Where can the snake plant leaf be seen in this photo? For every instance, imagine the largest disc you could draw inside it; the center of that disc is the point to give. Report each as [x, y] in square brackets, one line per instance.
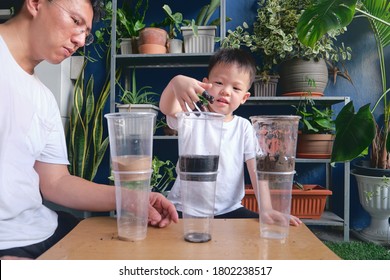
[322, 17]
[354, 132]
[90, 103]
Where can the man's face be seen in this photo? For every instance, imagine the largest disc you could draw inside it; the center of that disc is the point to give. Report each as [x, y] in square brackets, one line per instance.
[61, 27]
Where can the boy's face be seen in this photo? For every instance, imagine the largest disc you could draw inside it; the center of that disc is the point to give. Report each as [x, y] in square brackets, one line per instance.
[230, 88]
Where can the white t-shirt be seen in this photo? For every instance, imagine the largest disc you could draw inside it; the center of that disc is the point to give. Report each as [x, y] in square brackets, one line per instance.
[237, 146]
[30, 130]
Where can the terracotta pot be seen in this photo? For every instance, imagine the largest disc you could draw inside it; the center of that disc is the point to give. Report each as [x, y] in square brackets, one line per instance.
[308, 203]
[152, 49]
[314, 145]
[153, 35]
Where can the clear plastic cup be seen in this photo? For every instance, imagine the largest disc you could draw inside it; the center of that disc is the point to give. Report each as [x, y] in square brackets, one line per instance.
[131, 140]
[274, 191]
[199, 135]
[277, 142]
[132, 203]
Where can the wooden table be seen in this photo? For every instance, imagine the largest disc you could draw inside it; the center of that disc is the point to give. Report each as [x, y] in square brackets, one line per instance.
[96, 239]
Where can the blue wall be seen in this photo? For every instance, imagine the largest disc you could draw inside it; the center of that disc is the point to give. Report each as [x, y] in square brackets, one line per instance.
[364, 70]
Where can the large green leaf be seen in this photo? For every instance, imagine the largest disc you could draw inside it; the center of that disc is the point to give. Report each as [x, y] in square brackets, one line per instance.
[354, 132]
[322, 17]
[380, 9]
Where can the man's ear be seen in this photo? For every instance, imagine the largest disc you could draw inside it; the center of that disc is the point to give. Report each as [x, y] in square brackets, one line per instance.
[245, 97]
[33, 6]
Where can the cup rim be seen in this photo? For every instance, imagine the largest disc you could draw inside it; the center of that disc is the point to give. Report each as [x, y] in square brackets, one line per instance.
[129, 114]
[277, 172]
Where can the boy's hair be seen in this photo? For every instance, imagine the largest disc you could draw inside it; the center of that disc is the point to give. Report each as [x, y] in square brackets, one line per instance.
[234, 56]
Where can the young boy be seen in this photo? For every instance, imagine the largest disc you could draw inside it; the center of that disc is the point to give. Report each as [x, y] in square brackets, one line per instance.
[231, 74]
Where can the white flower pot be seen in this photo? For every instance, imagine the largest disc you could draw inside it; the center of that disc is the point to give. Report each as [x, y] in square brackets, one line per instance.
[374, 196]
[125, 45]
[175, 46]
[202, 43]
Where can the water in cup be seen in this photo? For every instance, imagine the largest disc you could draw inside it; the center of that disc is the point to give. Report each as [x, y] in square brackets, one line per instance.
[132, 203]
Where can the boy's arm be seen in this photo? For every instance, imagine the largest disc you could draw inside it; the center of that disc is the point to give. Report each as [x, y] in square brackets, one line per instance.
[264, 192]
[265, 197]
[181, 90]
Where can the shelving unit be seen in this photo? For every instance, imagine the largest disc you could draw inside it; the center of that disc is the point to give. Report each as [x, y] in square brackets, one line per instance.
[201, 60]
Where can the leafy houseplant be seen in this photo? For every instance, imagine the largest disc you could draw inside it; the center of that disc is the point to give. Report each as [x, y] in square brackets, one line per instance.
[315, 120]
[136, 100]
[86, 145]
[273, 37]
[199, 33]
[316, 131]
[174, 21]
[130, 20]
[137, 96]
[355, 132]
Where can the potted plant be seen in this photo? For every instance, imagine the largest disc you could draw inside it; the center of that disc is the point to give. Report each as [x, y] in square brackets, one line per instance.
[152, 40]
[130, 20]
[174, 21]
[134, 99]
[199, 33]
[316, 130]
[273, 38]
[307, 201]
[357, 133]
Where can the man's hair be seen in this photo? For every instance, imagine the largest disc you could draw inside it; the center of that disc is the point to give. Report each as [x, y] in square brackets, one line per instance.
[234, 56]
[97, 5]
[98, 9]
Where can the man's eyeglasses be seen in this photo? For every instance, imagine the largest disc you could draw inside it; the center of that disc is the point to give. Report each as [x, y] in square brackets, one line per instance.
[88, 37]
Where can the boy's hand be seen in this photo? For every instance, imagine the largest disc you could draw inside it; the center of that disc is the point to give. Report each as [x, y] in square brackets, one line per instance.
[187, 91]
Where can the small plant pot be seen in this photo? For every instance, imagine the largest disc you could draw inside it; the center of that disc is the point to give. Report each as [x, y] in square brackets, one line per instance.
[153, 35]
[175, 46]
[315, 145]
[268, 88]
[126, 46]
[202, 43]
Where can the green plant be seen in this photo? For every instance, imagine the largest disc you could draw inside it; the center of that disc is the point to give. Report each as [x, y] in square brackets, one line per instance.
[204, 16]
[130, 20]
[273, 36]
[84, 133]
[313, 119]
[173, 20]
[162, 175]
[355, 132]
[137, 96]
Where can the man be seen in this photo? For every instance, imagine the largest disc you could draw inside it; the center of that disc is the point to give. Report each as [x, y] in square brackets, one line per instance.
[33, 158]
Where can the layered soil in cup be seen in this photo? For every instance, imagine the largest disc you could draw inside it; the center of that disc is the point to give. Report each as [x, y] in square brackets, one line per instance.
[196, 163]
[277, 163]
[132, 163]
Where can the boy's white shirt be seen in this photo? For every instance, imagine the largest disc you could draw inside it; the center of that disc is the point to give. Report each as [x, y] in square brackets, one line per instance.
[237, 146]
[30, 130]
